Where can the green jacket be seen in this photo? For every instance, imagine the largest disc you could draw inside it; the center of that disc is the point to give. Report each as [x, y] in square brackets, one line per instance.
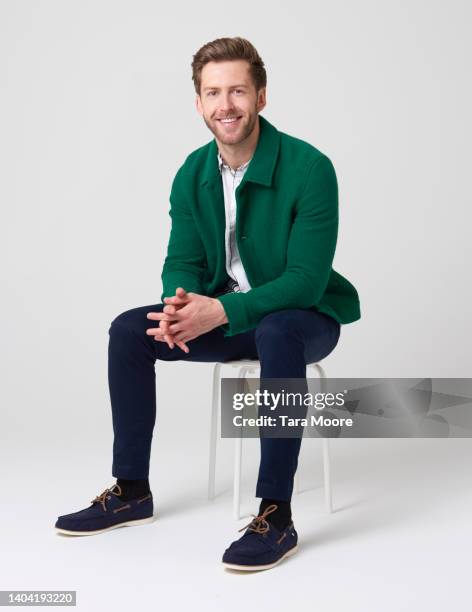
[286, 230]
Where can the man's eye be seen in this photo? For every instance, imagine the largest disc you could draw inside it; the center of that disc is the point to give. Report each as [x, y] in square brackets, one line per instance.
[238, 91]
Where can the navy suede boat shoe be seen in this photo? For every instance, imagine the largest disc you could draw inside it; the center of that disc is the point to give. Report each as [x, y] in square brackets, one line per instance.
[261, 546]
[107, 512]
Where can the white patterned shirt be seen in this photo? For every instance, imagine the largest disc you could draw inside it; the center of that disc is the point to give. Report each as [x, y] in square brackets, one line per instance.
[234, 266]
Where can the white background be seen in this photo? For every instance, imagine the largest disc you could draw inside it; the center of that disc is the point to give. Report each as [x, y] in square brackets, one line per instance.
[97, 112]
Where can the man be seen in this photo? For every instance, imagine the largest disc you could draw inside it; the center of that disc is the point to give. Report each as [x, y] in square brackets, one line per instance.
[248, 274]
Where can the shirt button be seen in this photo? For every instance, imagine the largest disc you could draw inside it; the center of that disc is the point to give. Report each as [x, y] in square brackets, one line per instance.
[243, 237]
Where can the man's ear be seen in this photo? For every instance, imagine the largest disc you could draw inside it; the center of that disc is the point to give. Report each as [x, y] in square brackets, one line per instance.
[261, 99]
[198, 104]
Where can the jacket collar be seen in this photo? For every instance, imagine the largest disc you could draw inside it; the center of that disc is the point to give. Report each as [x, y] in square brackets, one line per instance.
[262, 164]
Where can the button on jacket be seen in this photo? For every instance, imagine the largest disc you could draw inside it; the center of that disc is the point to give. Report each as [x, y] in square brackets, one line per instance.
[286, 232]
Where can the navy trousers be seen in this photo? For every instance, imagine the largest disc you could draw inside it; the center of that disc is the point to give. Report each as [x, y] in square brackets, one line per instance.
[284, 342]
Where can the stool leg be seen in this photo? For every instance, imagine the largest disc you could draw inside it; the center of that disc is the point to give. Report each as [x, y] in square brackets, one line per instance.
[237, 478]
[238, 449]
[215, 405]
[296, 479]
[326, 458]
[327, 476]
[321, 374]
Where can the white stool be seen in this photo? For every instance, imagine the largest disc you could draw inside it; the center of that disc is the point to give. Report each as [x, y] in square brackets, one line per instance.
[249, 366]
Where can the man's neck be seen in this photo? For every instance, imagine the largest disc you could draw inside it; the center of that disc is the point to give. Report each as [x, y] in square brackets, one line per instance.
[239, 154]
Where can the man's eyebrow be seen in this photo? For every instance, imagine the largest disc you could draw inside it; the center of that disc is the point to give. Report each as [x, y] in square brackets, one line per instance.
[232, 87]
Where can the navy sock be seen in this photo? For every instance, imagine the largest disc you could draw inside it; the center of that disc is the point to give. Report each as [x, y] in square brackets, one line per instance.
[280, 518]
[130, 489]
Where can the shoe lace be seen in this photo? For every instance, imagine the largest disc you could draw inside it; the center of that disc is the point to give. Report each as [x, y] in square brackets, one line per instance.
[106, 495]
[259, 523]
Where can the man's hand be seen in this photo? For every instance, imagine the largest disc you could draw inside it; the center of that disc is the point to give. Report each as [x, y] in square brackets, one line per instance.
[185, 317]
[164, 335]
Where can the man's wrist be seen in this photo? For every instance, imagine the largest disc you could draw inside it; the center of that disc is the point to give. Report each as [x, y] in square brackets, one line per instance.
[222, 318]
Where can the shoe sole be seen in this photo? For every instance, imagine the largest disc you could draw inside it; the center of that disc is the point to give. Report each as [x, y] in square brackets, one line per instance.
[256, 568]
[144, 521]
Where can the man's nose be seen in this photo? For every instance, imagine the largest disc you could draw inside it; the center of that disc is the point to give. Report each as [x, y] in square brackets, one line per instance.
[226, 103]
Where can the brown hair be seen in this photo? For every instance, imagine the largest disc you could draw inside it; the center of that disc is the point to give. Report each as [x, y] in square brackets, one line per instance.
[226, 49]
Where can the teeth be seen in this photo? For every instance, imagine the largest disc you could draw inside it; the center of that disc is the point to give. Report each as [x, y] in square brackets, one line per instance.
[229, 120]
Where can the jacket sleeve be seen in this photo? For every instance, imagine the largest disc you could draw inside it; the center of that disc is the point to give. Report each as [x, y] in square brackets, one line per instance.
[311, 247]
[185, 262]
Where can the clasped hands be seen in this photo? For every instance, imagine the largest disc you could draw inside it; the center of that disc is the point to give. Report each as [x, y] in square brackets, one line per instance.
[185, 317]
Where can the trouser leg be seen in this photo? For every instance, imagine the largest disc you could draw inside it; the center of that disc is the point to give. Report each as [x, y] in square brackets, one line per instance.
[286, 341]
[132, 381]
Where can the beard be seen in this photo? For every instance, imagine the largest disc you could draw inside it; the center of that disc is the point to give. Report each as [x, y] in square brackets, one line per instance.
[246, 127]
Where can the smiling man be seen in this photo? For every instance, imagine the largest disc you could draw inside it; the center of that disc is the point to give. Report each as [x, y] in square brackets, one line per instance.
[248, 274]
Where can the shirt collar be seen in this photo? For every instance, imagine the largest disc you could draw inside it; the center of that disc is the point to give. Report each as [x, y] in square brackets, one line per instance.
[222, 164]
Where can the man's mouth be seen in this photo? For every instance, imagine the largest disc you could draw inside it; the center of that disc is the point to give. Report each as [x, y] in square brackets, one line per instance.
[230, 120]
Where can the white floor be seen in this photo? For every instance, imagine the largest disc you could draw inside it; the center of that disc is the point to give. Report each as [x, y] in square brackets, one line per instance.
[399, 538]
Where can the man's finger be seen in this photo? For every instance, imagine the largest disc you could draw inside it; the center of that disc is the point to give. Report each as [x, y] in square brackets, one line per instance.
[178, 301]
[157, 316]
[167, 336]
[183, 346]
[175, 327]
[162, 316]
[160, 338]
[184, 336]
[157, 331]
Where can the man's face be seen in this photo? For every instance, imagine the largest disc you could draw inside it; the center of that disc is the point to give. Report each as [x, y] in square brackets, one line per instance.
[227, 92]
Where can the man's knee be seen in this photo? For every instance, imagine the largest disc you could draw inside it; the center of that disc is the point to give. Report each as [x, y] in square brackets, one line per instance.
[135, 319]
[279, 325]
